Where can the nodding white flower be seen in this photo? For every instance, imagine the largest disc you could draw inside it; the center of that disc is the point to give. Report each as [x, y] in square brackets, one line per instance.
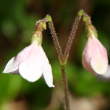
[31, 63]
[94, 57]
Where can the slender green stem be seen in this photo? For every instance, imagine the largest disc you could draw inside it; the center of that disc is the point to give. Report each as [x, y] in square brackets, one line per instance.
[65, 83]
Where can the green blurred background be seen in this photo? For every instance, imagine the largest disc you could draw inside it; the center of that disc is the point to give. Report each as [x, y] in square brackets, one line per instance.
[17, 23]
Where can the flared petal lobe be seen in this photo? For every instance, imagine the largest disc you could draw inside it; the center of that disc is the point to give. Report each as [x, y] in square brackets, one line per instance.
[47, 70]
[95, 57]
[11, 66]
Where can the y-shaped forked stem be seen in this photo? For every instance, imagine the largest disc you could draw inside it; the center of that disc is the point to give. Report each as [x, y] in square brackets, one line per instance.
[63, 57]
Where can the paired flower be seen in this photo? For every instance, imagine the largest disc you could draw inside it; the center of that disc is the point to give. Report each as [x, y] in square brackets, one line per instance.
[32, 63]
[94, 57]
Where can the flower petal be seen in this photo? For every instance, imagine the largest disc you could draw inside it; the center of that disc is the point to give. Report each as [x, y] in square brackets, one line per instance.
[99, 65]
[48, 75]
[107, 74]
[95, 58]
[47, 70]
[24, 54]
[11, 66]
[31, 68]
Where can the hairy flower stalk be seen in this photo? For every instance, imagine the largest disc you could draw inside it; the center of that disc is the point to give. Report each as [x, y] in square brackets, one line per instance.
[55, 39]
[32, 63]
[72, 36]
[94, 56]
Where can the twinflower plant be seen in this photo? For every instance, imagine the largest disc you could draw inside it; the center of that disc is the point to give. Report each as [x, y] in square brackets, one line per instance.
[32, 63]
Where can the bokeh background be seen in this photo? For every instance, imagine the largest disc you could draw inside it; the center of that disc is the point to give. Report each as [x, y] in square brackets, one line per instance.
[17, 23]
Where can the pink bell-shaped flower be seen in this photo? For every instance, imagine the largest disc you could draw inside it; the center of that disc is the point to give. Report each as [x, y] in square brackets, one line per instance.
[94, 57]
[31, 63]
